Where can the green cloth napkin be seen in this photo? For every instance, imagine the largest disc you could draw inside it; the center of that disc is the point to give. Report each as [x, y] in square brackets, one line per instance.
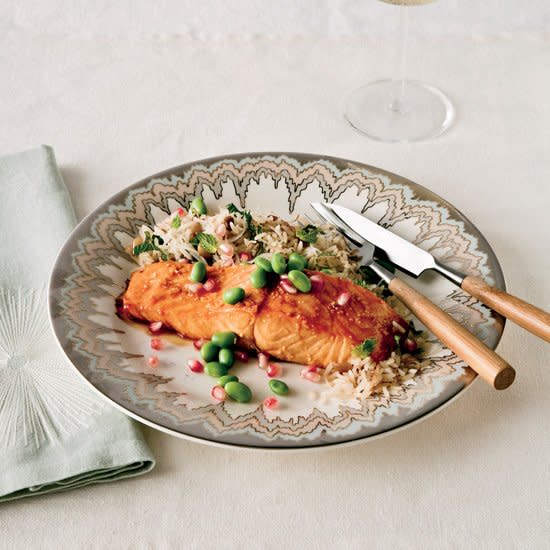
[56, 433]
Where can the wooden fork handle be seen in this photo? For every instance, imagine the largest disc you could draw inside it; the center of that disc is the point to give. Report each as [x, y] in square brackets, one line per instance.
[529, 317]
[490, 366]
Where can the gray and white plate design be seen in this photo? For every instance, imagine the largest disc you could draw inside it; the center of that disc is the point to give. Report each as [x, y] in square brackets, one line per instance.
[93, 267]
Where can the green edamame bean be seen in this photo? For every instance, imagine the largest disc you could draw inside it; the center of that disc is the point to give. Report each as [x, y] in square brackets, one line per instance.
[278, 387]
[258, 278]
[300, 280]
[238, 392]
[209, 351]
[233, 295]
[224, 339]
[226, 357]
[198, 208]
[278, 263]
[223, 380]
[198, 272]
[264, 263]
[215, 369]
[296, 261]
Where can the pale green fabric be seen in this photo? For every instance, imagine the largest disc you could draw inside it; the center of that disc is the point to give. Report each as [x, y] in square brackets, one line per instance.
[103, 445]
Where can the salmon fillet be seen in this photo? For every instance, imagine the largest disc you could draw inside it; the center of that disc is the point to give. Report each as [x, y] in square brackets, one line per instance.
[301, 328]
[159, 292]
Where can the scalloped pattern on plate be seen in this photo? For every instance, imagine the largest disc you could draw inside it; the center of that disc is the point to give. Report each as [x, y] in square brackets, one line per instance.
[92, 269]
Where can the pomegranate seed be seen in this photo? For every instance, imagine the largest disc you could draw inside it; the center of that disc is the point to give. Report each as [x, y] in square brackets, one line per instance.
[271, 403]
[317, 283]
[226, 249]
[181, 212]
[194, 288]
[312, 376]
[311, 368]
[220, 230]
[343, 299]
[209, 285]
[410, 345]
[155, 327]
[273, 370]
[153, 361]
[199, 343]
[241, 356]
[263, 360]
[156, 343]
[195, 365]
[218, 393]
[311, 373]
[287, 286]
[245, 257]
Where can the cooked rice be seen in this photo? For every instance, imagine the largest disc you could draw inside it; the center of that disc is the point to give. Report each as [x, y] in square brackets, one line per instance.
[330, 251]
[361, 378]
[364, 378]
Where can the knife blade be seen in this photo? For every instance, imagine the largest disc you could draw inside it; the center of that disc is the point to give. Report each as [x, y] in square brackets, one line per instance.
[404, 254]
[415, 260]
[490, 366]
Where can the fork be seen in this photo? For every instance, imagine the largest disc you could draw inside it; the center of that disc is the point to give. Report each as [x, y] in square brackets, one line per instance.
[489, 365]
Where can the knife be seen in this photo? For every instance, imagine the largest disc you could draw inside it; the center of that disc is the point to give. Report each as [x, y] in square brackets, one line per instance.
[414, 260]
[490, 366]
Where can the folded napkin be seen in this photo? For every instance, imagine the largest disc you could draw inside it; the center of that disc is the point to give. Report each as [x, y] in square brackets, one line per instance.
[56, 434]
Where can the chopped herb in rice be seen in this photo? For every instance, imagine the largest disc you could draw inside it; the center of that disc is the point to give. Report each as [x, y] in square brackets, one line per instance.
[192, 236]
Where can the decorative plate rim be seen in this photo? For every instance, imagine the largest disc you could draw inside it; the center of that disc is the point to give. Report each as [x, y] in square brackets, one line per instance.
[302, 158]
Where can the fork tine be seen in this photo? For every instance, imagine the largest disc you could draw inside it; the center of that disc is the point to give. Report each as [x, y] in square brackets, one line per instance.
[326, 213]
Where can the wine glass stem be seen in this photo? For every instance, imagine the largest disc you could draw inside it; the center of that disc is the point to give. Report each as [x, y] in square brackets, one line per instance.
[398, 97]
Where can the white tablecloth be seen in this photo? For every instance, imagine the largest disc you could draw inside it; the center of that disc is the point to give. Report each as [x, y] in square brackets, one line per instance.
[118, 106]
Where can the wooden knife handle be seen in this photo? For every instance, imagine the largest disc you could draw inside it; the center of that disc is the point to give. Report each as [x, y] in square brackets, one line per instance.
[490, 366]
[529, 317]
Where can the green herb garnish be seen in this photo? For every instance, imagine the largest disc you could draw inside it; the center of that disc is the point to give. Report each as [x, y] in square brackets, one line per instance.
[150, 244]
[176, 222]
[370, 277]
[308, 234]
[252, 227]
[397, 340]
[365, 349]
[208, 242]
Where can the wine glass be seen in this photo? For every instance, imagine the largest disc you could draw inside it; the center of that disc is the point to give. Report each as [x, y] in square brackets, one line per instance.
[399, 109]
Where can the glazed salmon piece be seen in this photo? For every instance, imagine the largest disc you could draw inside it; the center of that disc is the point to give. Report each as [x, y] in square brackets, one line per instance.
[302, 328]
[159, 292]
[312, 329]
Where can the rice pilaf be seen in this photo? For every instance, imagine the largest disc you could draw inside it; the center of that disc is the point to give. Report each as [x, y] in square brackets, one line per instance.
[234, 236]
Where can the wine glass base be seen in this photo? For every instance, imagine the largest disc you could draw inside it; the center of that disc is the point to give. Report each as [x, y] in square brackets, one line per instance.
[426, 112]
